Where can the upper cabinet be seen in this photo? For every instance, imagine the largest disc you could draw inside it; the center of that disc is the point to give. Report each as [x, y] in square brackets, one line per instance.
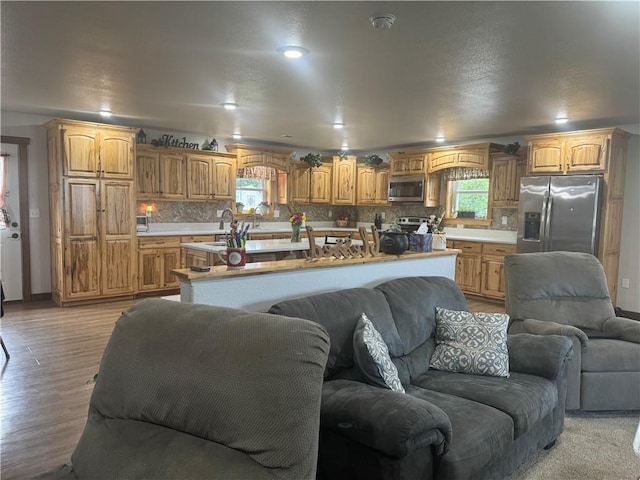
[372, 185]
[566, 153]
[178, 174]
[504, 183]
[256, 156]
[344, 180]
[92, 151]
[310, 185]
[408, 163]
[474, 156]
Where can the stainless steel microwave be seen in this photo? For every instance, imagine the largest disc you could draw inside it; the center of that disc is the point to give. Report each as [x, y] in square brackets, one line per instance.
[406, 189]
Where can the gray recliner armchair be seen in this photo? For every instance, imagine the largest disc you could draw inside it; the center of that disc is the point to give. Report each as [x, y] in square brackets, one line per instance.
[192, 392]
[565, 293]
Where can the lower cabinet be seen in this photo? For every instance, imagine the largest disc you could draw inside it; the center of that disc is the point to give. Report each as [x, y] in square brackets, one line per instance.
[157, 258]
[480, 267]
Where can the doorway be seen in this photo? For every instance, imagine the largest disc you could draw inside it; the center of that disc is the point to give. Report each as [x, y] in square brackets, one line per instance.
[15, 268]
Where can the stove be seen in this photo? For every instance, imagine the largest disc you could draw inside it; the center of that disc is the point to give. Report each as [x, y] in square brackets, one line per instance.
[411, 224]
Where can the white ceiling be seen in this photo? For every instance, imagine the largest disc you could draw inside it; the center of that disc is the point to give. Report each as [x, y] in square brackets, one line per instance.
[467, 70]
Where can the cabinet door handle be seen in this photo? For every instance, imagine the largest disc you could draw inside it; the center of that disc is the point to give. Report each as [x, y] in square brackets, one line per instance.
[499, 250]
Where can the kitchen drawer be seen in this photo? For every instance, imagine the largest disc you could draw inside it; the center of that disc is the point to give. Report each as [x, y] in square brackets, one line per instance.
[498, 248]
[196, 238]
[158, 242]
[468, 247]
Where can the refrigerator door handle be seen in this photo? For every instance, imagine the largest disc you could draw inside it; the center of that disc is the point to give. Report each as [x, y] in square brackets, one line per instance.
[543, 223]
[547, 224]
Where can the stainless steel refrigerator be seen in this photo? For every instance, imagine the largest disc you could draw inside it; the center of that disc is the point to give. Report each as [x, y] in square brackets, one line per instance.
[559, 213]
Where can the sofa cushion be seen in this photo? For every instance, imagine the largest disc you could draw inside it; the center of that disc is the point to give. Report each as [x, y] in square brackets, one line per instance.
[372, 356]
[339, 313]
[481, 434]
[471, 343]
[525, 398]
[607, 355]
[412, 302]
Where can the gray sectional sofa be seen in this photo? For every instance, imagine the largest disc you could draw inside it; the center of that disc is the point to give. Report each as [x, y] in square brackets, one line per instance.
[446, 425]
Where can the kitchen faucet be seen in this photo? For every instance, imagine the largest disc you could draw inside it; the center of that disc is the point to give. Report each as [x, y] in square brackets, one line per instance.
[255, 212]
[222, 217]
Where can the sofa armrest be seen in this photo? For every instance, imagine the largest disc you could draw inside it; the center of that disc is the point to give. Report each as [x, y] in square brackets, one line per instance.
[541, 355]
[539, 327]
[624, 328]
[393, 423]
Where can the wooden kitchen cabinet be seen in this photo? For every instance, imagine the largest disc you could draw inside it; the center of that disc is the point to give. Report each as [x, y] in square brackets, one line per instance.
[160, 173]
[191, 257]
[474, 156]
[252, 156]
[211, 177]
[157, 256]
[372, 185]
[408, 164]
[344, 180]
[310, 185]
[468, 266]
[504, 183]
[601, 151]
[480, 267]
[432, 190]
[92, 211]
[567, 153]
[94, 150]
[493, 268]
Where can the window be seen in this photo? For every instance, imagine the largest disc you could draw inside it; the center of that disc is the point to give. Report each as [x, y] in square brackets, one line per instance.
[468, 198]
[250, 192]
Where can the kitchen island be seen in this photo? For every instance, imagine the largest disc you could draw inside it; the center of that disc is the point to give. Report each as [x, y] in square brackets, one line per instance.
[259, 285]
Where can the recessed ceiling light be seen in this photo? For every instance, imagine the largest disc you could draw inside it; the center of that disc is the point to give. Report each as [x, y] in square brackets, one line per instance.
[237, 136]
[285, 135]
[105, 113]
[345, 148]
[561, 120]
[440, 138]
[338, 126]
[290, 51]
[230, 106]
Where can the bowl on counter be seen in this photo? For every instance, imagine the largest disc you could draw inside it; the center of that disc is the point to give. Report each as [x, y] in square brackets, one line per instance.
[342, 223]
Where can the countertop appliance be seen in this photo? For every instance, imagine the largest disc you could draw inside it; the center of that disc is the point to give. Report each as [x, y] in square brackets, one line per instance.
[406, 189]
[559, 213]
[142, 223]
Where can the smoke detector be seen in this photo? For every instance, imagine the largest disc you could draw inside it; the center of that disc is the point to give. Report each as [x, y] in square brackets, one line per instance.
[382, 21]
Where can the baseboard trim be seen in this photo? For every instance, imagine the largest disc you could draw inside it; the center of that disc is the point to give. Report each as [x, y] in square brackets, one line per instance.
[40, 297]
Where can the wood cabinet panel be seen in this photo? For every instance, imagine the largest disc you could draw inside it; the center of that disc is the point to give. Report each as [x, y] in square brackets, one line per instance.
[473, 156]
[408, 164]
[149, 268]
[80, 151]
[116, 154]
[587, 154]
[173, 176]
[493, 276]
[344, 181]
[432, 190]
[372, 185]
[81, 207]
[282, 194]
[320, 184]
[504, 183]
[200, 177]
[224, 178]
[147, 174]
[118, 274]
[381, 183]
[468, 269]
[299, 184]
[82, 264]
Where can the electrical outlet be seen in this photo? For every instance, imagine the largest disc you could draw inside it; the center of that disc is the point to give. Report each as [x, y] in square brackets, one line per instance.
[276, 213]
[505, 220]
[219, 213]
[330, 214]
[383, 215]
[625, 283]
[34, 213]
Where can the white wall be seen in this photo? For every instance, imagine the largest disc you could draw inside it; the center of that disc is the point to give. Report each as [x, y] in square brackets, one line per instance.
[31, 126]
[629, 298]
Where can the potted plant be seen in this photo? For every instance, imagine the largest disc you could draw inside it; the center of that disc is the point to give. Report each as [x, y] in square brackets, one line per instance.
[311, 159]
[373, 159]
[264, 207]
[239, 207]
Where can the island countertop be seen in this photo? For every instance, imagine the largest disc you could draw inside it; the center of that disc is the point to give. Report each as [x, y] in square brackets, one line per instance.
[260, 268]
[261, 246]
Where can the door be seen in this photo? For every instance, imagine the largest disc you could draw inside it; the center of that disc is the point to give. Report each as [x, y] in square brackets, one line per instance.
[10, 228]
[574, 213]
[534, 195]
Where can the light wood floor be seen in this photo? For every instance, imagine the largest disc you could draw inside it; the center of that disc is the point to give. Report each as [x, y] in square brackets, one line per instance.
[46, 385]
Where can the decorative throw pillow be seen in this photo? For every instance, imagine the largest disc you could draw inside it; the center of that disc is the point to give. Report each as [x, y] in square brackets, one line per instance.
[471, 343]
[372, 356]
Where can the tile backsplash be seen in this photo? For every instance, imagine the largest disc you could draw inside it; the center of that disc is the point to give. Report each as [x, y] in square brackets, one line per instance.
[201, 212]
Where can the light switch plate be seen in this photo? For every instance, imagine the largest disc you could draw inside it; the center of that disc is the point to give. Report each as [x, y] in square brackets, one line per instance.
[625, 283]
[34, 213]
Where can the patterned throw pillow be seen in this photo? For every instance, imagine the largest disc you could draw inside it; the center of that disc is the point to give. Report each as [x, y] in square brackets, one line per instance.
[471, 343]
[372, 356]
